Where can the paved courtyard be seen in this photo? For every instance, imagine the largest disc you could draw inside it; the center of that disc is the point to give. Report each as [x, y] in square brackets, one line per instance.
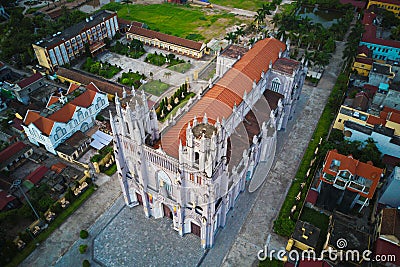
[131, 239]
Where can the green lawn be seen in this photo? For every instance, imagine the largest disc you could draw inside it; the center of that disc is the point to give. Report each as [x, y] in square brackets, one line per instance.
[154, 87]
[182, 21]
[110, 171]
[319, 220]
[181, 68]
[243, 4]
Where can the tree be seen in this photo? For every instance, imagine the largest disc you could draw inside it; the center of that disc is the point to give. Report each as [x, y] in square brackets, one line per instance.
[84, 234]
[83, 248]
[127, 2]
[231, 37]
[85, 263]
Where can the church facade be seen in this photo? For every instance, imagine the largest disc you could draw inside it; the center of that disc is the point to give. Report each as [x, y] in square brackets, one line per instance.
[194, 169]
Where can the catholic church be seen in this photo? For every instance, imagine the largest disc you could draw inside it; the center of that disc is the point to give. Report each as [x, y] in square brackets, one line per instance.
[193, 170]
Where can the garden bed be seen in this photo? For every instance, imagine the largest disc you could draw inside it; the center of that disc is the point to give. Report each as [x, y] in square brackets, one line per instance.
[131, 78]
[105, 70]
[133, 50]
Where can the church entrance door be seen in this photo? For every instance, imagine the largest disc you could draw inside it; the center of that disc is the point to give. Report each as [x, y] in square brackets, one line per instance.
[139, 198]
[195, 229]
[167, 211]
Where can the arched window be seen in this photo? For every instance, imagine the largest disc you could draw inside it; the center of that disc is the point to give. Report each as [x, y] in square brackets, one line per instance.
[275, 85]
[163, 180]
[59, 133]
[80, 115]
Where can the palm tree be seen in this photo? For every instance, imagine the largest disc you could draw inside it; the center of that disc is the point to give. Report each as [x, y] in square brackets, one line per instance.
[259, 18]
[231, 36]
[127, 2]
[239, 32]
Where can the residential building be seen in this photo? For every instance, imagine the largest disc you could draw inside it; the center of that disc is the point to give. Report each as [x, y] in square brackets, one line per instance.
[14, 155]
[64, 115]
[362, 66]
[385, 140]
[381, 75]
[69, 44]
[74, 147]
[389, 5]
[28, 85]
[193, 170]
[388, 237]
[7, 201]
[353, 181]
[390, 99]
[37, 175]
[390, 191]
[388, 117]
[363, 61]
[304, 237]
[382, 49]
[343, 230]
[167, 42]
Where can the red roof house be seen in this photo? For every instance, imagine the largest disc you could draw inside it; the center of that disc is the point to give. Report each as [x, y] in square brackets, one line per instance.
[36, 176]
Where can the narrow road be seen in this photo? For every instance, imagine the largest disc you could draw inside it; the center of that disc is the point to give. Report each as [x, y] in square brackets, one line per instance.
[258, 224]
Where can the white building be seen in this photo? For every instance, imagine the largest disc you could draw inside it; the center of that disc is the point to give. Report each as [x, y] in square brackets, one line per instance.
[64, 115]
[193, 170]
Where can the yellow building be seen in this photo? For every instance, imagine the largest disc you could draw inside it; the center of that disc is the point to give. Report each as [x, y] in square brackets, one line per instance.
[388, 117]
[304, 237]
[167, 42]
[389, 5]
[62, 47]
[362, 66]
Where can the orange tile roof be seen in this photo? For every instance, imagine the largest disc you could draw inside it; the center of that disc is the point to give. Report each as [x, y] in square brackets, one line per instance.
[356, 167]
[391, 114]
[52, 100]
[166, 38]
[373, 120]
[64, 114]
[72, 87]
[85, 99]
[220, 99]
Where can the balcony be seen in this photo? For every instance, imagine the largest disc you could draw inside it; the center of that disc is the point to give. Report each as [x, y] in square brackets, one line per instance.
[329, 177]
[339, 184]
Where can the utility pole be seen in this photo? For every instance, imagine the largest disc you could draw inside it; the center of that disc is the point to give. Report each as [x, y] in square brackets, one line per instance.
[17, 184]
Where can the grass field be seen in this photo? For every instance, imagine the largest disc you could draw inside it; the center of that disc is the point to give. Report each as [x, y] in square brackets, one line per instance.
[181, 68]
[181, 21]
[243, 4]
[154, 87]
